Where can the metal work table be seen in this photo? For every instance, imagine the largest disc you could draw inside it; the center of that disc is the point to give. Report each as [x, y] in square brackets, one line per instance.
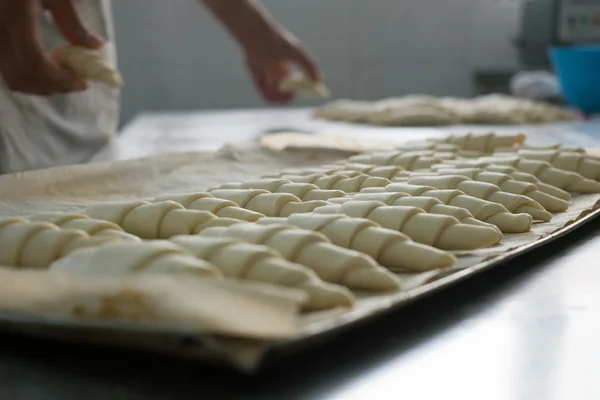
[526, 330]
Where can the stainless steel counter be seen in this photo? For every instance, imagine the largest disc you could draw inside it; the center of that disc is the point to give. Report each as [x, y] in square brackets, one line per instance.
[528, 330]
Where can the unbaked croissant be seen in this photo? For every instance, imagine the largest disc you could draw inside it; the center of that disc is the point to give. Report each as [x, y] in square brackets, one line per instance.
[485, 142]
[493, 213]
[429, 204]
[330, 262]
[161, 220]
[301, 84]
[390, 248]
[93, 227]
[515, 174]
[24, 243]
[408, 160]
[567, 180]
[304, 191]
[88, 64]
[388, 172]
[579, 162]
[207, 202]
[339, 182]
[513, 202]
[441, 231]
[122, 257]
[238, 259]
[508, 184]
[267, 203]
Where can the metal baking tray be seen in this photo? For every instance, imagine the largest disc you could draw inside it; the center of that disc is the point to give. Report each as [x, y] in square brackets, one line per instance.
[183, 343]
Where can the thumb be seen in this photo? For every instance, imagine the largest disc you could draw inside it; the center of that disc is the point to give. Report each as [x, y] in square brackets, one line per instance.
[68, 21]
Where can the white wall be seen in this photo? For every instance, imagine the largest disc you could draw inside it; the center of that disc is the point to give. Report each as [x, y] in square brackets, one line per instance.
[174, 56]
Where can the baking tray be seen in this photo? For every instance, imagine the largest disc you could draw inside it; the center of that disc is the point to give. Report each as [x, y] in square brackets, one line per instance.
[184, 343]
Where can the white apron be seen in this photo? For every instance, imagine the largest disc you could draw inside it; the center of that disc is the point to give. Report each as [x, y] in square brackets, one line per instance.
[38, 132]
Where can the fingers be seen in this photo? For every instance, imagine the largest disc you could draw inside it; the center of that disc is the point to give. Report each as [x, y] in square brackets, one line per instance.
[24, 65]
[66, 18]
[267, 82]
[307, 64]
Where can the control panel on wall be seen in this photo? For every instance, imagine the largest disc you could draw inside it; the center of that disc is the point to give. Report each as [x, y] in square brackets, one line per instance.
[579, 21]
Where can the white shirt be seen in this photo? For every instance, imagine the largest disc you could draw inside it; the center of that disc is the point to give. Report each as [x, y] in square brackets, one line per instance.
[39, 131]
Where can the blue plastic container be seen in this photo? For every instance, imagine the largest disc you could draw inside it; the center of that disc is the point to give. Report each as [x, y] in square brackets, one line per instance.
[578, 70]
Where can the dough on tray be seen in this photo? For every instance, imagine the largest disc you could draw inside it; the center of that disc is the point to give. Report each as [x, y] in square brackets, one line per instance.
[579, 162]
[427, 110]
[390, 248]
[388, 172]
[267, 203]
[484, 142]
[206, 202]
[441, 231]
[429, 204]
[157, 256]
[346, 111]
[315, 251]
[415, 115]
[513, 202]
[93, 227]
[89, 65]
[344, 183]
[160, 220]
[304, 191]
[493, 213]
[508, 184]
[35, 244]
[238, 259]
[544, 171]
[408, 160]
[512, 172]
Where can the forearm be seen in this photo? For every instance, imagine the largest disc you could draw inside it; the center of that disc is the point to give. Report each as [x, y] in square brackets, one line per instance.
[246, 20]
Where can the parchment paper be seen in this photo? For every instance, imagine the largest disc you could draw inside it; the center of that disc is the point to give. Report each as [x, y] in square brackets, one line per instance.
[72, 188]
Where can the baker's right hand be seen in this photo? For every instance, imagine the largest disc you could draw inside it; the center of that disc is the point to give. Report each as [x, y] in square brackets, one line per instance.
[24, 64]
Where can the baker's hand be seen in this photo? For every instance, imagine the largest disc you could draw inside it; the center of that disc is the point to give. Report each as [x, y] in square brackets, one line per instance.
[24, 65]
[270, 58]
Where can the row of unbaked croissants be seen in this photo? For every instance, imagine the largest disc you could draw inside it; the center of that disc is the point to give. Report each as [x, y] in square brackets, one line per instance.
[329, 231]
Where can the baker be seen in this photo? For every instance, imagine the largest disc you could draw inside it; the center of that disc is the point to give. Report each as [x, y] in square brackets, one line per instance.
[48, 116]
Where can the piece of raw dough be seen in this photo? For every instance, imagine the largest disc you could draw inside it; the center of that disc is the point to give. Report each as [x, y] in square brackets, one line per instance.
[390, 248]
[514, 173]
[410, 161]
[415, 115]
[513, 202]
[429, 204]
[588, 167]
[508, 184]
[238, 259]
[207, 202]
[567, 180]
[24, 243]
[304, 191]
[93, 227]
[441, 231]
[493, 213]
[346, 110]
[485, 142]
[89, 65]
[158, 256]
[301, 84]
[344, 183]
[267, 203]
[160, 220]
[315, 251]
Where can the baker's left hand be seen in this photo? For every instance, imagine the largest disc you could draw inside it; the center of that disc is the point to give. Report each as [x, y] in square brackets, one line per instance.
[271, 56]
